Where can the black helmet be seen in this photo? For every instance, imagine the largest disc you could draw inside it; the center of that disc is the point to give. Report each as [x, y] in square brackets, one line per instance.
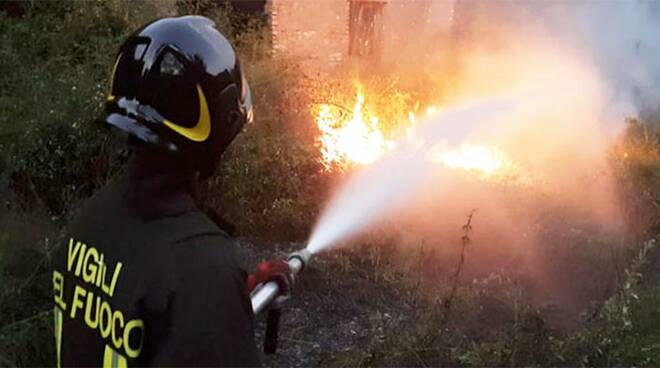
[177, 86]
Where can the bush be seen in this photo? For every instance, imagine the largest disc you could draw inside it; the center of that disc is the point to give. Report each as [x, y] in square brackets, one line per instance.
[25, 297]
[636, 163]
[52, 151]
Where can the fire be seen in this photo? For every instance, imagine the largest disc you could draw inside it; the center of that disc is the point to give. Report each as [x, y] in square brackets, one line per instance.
[354, 138]
[486, 160]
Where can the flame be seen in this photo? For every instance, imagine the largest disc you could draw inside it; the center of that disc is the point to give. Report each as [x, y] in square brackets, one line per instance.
[354, 138]
[484, 159]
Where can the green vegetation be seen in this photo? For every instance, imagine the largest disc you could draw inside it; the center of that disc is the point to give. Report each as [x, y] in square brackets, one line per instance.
[55, 60]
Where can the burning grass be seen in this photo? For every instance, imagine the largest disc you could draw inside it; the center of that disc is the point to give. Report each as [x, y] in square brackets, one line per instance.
[357, 137]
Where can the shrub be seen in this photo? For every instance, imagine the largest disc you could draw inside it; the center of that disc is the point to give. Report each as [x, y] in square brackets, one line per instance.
[52, 91]
[25, 297]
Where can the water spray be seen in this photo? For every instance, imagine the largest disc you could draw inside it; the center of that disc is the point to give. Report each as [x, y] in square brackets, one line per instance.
[360, 203]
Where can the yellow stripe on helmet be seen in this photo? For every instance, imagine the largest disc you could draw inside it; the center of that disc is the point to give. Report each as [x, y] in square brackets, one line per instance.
[202, 129]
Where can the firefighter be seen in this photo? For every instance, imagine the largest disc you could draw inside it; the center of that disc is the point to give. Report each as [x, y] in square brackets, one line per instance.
[144, 277]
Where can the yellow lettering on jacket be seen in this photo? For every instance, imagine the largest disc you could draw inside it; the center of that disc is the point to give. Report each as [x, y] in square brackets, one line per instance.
[130, 326]
[89, 302]
[58, 290]
[115, 276]
[91, 312]
[78, 294]
[79, 264]
[90, 268]
[117, 317]
[73, 251]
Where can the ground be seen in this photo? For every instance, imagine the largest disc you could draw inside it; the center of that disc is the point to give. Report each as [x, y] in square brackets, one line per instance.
[331, 311]
[342, 313]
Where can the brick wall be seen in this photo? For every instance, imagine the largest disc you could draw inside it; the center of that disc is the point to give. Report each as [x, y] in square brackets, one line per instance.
[312, 31]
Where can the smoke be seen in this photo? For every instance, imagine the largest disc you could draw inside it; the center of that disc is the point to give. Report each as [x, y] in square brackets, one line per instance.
[622, 38]
[618, 38]
[580, 69]
[576, 71]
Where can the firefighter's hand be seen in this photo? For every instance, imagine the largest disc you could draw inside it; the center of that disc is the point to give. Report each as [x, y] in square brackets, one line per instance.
[278, 271]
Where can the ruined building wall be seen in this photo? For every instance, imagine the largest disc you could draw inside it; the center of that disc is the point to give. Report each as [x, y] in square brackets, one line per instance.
[314, 32]
[323, 34]
[415, 28]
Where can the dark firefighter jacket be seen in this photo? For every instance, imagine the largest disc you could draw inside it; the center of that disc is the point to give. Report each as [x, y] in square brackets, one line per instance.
[145, 278]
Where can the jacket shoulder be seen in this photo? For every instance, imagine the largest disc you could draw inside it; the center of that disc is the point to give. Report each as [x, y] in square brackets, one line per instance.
[186, 227]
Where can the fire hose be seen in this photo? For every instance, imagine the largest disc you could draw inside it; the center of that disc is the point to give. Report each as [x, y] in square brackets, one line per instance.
[263, 297]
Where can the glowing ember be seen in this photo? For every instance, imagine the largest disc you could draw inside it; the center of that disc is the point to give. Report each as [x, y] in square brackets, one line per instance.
[354, 138]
